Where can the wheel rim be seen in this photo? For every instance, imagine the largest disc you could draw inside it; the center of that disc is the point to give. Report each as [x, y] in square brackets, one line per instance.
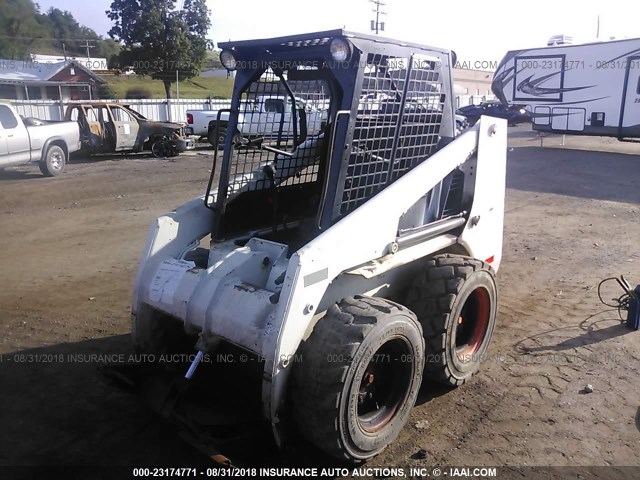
[55, 161]
[384, 385]
[161, 149]
[472, 323]
[221, 138]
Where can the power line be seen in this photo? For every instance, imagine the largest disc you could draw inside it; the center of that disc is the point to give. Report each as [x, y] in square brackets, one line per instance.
[87, 46]
[72, 39]
[376, 25]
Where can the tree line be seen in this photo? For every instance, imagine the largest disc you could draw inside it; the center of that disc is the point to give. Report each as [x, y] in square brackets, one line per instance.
[24, 30]
[151, 37]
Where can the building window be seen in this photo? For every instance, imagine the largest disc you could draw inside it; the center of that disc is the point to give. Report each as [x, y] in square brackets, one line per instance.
[35, 93]
[52, 93]
[8, 92]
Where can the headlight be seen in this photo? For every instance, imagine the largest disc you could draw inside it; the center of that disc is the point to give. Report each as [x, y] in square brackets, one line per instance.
[523, 111]
[228, 60]
[340, 49]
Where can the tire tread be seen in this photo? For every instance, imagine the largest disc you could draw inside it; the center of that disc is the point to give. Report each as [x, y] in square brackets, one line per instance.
[431, 297]
[318, 383]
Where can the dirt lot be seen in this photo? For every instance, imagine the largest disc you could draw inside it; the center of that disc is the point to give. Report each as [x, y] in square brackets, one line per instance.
[69, 249]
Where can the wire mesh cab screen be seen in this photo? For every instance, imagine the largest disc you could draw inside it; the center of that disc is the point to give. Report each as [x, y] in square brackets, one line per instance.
[273, 175]
[279, 131]
[397, 124]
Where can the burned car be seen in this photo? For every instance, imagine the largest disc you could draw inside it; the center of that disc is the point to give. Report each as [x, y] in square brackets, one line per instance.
[112, 127]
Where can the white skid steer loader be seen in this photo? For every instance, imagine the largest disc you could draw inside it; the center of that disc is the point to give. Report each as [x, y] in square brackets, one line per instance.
[353, 255]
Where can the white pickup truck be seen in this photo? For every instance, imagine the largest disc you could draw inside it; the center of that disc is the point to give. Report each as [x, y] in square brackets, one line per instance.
[267, 116]
[33, 140]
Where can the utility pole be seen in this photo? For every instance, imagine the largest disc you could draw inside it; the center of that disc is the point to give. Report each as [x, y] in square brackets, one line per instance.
[87, 46]
[376, 25]
[598, 28]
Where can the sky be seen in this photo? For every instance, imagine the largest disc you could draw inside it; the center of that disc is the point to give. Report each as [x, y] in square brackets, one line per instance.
[477, 31]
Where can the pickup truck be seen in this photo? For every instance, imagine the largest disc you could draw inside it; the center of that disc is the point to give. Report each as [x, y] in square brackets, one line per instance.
[32, 140]
[266, 116]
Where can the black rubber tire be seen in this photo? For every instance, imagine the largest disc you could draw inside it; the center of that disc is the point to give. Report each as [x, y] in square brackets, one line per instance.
[336, 363]
[217, 141]
[162, 149]
[452, 289]
[53, 162]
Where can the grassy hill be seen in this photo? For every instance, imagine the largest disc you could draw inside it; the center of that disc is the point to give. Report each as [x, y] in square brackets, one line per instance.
[198, 87]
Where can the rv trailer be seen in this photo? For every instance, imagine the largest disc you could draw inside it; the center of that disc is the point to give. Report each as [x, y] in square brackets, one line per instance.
[588, 89]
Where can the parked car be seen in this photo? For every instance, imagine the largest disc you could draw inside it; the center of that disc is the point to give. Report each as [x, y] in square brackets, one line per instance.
[112, 127]
[513, 113]
[25, 140]
[267, 116]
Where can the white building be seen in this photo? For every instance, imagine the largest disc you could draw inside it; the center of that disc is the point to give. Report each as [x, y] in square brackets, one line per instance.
[96, 63]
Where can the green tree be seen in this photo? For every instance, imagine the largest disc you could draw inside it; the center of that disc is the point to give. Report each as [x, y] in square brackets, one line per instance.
[65, 30]
[19, 29]
[107, 48]
[213, 59]
[159, 40]
[24, 30]
[63, 25]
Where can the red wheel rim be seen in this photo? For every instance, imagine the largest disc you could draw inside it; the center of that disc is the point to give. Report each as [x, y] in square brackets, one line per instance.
[472, 323]
[384, 385]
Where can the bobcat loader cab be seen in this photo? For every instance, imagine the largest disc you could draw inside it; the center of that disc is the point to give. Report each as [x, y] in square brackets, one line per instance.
[352, 257]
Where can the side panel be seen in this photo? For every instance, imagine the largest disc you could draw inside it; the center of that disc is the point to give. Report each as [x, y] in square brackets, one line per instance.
[567, 119]
[559, 118]
[314, 267]
[126, 129]
[18, 143]
[541, 116]
[539, 78]
[630, 115]
[4, 152]
[16, 136]
[576, 119]
[563, 79]
[483, 234]
[202, 119]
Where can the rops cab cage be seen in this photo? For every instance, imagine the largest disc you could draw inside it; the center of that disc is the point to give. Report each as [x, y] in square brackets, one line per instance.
[322, 122]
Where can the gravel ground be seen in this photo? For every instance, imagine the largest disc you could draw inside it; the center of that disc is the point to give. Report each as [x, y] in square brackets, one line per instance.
[70, 246]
